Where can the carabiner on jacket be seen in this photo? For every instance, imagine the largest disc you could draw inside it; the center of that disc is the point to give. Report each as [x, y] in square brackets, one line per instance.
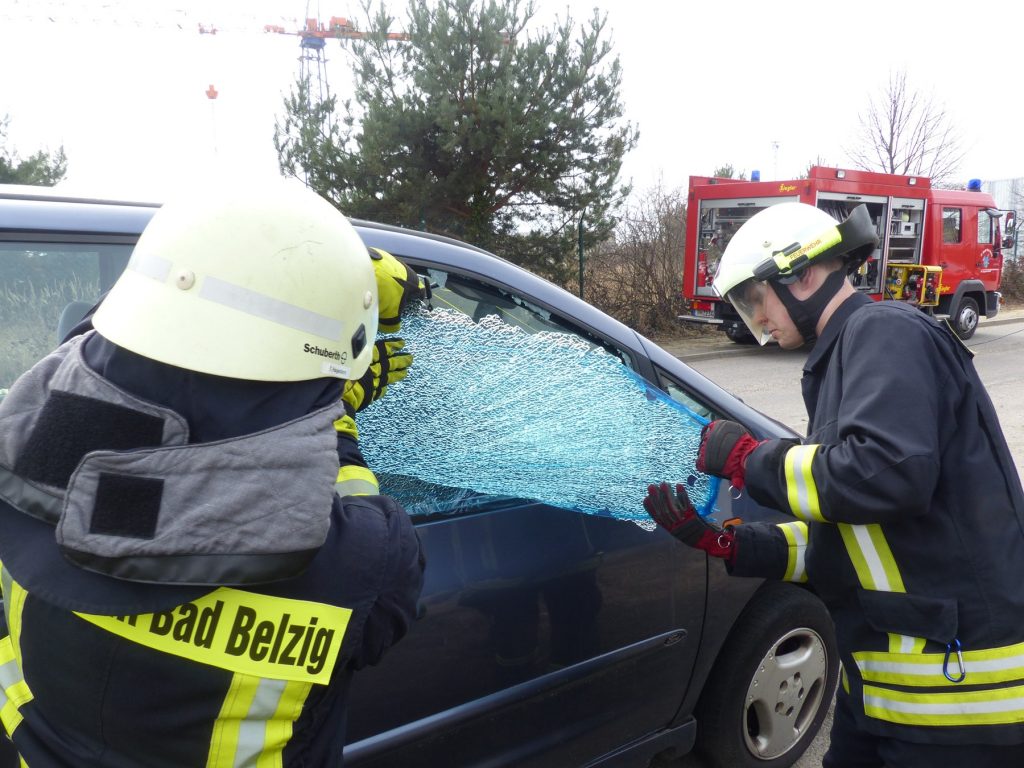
[959, 661]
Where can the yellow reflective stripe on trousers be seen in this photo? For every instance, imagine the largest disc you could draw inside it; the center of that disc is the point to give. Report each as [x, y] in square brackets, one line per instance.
[14, 691]
[255, 722]
[994, 665]
[245, 632]
[356, 481]
[992, 707]
[876, 570]
[796, 538]
[800, 487]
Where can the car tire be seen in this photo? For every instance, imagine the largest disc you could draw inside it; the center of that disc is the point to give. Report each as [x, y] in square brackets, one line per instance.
[739, 335]
[965, 322]
[772, 684]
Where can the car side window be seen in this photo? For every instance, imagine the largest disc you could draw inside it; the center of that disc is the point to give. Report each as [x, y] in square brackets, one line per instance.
[45, 288]
[473, 404]
[478, 300]
[684, 396]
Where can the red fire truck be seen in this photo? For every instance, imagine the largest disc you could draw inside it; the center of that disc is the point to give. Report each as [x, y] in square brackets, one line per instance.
[939, 249]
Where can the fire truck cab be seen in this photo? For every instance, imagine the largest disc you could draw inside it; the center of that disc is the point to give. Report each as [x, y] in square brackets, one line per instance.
[938, 249]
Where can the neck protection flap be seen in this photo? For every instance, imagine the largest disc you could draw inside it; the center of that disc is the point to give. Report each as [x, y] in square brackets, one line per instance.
[806, 314]
[130, 498]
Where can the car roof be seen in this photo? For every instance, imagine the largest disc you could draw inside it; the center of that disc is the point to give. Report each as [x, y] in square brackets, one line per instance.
[31, 209]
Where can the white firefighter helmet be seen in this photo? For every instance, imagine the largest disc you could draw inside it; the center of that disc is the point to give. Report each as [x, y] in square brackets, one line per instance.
[776, 244]
[264, 281]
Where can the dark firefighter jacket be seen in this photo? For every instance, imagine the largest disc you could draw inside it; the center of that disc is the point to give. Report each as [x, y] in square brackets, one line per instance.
[909, 524]
[278, 589]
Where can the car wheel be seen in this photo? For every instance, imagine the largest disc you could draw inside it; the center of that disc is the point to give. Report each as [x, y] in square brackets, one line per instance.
[772, 684]
[965, 323]
[739, 334]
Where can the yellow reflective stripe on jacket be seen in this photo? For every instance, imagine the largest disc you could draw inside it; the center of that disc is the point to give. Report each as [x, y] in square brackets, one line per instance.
[991, 707]
[259, 635]
[796, 538]
[800, 487]
[255, 722]
[876, 570]
[354, 480]
[872, 558]
[14, 602]
[14, 691]
[995, 665]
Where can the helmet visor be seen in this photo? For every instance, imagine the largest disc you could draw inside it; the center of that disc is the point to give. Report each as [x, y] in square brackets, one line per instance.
[748, 299]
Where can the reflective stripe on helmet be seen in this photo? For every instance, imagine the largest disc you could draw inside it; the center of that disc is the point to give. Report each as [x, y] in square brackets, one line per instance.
[243, 299]
[792, 257]
[269, 308]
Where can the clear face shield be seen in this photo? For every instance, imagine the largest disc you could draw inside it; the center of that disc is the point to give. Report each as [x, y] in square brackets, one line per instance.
[748, 299]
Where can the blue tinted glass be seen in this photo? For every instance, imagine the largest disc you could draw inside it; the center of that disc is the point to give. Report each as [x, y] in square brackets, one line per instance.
[490, 409]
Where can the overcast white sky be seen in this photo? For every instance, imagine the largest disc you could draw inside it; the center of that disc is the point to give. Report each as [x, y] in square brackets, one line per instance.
[765, 85]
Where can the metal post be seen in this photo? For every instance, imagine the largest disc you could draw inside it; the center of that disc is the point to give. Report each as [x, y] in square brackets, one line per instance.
[580, 250]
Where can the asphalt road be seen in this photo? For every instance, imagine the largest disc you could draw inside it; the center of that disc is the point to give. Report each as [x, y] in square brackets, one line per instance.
[768, 378]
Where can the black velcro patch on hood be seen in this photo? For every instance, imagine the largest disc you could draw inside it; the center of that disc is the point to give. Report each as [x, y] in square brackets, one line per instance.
[126, 506]
[71, 426]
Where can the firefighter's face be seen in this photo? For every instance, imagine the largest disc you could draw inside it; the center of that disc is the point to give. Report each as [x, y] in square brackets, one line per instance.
[772, 315]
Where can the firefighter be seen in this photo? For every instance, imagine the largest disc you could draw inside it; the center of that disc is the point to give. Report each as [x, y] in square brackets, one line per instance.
[908, 514]
[182, 584]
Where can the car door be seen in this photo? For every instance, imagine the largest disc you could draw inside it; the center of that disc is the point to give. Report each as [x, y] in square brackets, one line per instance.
[48, 280]
[546, 636]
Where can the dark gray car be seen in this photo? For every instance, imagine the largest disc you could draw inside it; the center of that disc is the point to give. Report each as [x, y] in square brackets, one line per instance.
[547, 637]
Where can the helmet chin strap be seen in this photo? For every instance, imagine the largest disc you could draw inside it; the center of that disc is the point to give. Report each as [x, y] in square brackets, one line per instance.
[806, 314]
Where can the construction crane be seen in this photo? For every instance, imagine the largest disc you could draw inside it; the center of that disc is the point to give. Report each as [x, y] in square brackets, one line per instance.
[313, 39]
[338, 27]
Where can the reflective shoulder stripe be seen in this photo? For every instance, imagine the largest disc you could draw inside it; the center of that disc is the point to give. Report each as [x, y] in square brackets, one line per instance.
[14, 691]
[259, 635]
[800, 487]
[990, 707]
[255, 722]
[354, 480]
[988, 666]
[796, 538]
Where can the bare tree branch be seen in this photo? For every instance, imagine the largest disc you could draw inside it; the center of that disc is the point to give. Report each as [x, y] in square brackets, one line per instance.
[904, 131]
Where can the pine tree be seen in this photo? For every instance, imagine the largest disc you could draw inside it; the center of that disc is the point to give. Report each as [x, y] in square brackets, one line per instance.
[40, 168]
[475, 128]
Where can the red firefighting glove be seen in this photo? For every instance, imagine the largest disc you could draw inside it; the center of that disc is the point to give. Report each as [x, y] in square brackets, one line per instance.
[676, 514]
[724, 447]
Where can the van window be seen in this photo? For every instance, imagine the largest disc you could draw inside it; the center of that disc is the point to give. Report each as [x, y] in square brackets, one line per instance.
[951, 224]
[985, 227]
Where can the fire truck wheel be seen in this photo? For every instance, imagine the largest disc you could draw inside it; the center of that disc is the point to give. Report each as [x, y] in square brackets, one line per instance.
[772, 684]
[965, 322]
[739, 334]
